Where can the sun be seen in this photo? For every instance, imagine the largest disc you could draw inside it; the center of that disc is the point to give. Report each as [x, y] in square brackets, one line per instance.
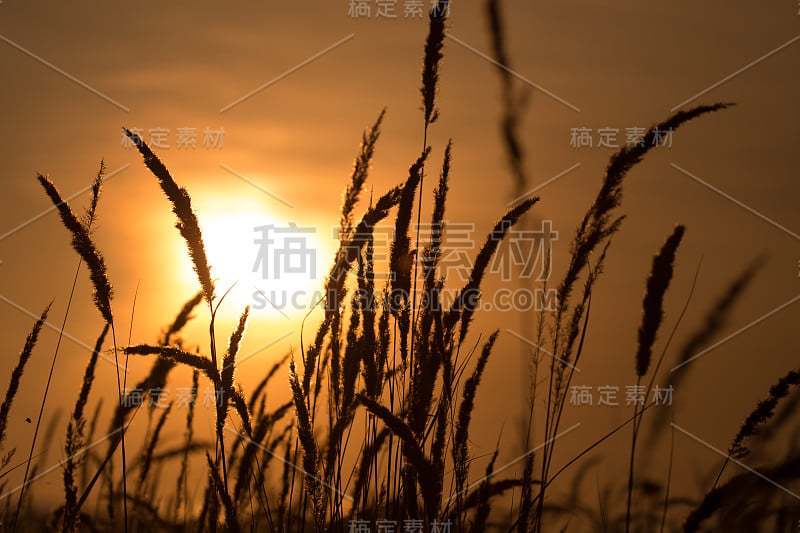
[274, 264]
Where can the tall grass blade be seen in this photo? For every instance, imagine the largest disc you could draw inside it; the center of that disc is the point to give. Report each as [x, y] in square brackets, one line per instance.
[16, 374]
[187, 224]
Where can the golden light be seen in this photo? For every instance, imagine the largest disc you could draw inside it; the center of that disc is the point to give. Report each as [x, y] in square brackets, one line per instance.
[273, 264]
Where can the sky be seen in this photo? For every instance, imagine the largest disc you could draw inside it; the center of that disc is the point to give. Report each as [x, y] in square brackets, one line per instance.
[277, 95]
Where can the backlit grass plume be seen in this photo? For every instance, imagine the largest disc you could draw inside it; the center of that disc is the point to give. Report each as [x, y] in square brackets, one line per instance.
[85, 247]
[310, 448]
[360, 171]
[75, 430]
[16, 375]
[653, 304]
[228, 367]
[598, 222]
[460, 446]
[91, 211]
[187, 223]
[433, 55]
[401, 259]
[652, 315]
[759, 417]
[762, 413]
[231, 521]
[465, 304]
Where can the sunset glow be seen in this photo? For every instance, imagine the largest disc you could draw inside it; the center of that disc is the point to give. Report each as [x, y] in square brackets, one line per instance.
[258, 258]
[567, 300]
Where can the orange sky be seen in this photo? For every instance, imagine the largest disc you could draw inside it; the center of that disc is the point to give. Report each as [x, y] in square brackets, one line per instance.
[75, 73]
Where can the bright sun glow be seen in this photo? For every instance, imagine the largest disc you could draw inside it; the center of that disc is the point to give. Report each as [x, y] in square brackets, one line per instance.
[276, 266]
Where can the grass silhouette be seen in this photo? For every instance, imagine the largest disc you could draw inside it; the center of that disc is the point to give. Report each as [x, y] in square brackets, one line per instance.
[390, 364]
